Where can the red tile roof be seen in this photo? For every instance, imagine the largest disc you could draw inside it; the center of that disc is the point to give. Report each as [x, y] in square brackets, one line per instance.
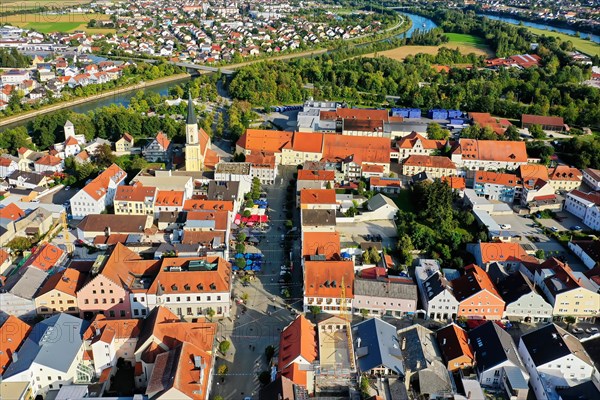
[162, 140]
[455, 182]
[220, 217]
[264, 140]
[45, 257]
[317, 196]
[99, 186]
[68, 281]
[485, 120]
[122, 264]
[362, 149]
[307, 142]
[217, 205]
[321, 243]
[11, 212]
[49, 160]
[376, 181]
[321, 276]
[501, 252]
[565, 173]
[315, 175]
[497, 178]
[71, 141]
[409, 142]
[493, 150]
[298, 339]
[473, 281]
[417, 160]
[185, 281]
[172, 198]
[13, 333]
[261, 160]
[542, 120]
[137, 193]
[454, 343]
[530, 173]
[355, 113]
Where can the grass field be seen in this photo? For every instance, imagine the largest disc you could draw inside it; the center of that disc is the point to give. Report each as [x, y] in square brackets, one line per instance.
[585, 46]
[466, 44]
[47, 23]
[11, 5]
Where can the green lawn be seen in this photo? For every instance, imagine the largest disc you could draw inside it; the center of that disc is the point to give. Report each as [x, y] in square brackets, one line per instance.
[49, 27]
[464, 38]
[585, 46]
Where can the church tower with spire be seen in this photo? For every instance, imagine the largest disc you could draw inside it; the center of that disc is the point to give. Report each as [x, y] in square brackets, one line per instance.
[193, 154]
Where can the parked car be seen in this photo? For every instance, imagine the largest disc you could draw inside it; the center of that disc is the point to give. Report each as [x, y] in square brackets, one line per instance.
[575, 228]
[505, 226]
[577, 330]
[554, 229]
[591, 330]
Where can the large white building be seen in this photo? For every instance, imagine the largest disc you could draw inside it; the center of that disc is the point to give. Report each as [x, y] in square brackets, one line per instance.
[591, 177]
[554, 358]
[585, 206]
[98, 194]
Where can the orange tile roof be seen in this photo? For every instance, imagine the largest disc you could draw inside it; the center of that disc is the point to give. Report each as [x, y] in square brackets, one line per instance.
[220, 217]
[4, 256]
[99, 186]
[45, 257]
[308, 142]
[11, 212]
[127, 137]
[317, 196]
[409, 142]
[264, 140]
[542, 120]
[71, 141]
[185, 281]
[68, 281]
[321, 243]
[49, 159]
[217, 205]
[417, 160]
[137, 193]
[13, 333]
[376, 181]
[373, 168]
[473, 281]
[497, 178]
[173, 198]
[298, 339]
[565, 173]
[6, 162]
[261, 159]
[123, 263]
[455, 182]
[162, 140]
[532, 172]
[355, 113]
[315, 175]
[83, 155]
[319, 277]
[454, 342]
[113, 328]
[501, 252]
[493, 150]
[485, 120]
[363, 149]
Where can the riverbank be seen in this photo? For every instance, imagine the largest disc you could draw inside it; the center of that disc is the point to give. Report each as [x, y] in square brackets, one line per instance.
[583, 45]
[82, 100]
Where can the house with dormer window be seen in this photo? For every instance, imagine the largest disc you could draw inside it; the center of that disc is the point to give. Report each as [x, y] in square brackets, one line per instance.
[98, 194]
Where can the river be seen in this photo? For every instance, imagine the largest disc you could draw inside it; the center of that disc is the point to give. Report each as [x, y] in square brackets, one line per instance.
[418, 22]
[590, 36]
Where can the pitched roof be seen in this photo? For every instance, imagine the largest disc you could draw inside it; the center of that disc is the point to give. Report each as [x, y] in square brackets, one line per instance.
[355, 113]
[4, 256]
[25, 282]
[589, 247]
[550, 343]
[361, 149]
[71, 141]
[315, 175]
[136, 192]
[376, 344]
[418, 160]
[513, 287]
[485, 120]
[196, 274]
[317, 196]
[324, 278]
[11, 212]
[219, 219]
[298, 339]
[103, 329]
[99, 186]
[454, 342]
[68, 281]
[123, 265]
[493, 345]
[497, 178]
[308, 142]
[127, 137]
[473, 281]
[202, 237]
[565, 173]
[162, 140]
[593, 173]
[221, 205]
[502, 252]
[116, 223]
[592, 197]
[455, 182]
[261, 159]
[376, 181]
[49, 160]
[493, 150]
[172, 198]
[389, 288]
[542, 120]
[54, 342]
[45, 257]
[325, 244]
[13, 333]
[318, 217]
[409, 142]
[264, 140]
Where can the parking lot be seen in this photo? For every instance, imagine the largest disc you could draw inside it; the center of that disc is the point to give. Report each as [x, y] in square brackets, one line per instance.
[564, 223]
[59, 196]
[356, 232]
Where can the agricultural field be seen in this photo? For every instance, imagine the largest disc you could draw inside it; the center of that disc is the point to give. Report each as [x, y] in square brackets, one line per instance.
[47, 23]
[12, 5]
[583, 45]
[466, 44]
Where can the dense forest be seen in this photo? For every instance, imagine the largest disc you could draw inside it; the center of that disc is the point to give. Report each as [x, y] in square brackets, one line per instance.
[13, 59]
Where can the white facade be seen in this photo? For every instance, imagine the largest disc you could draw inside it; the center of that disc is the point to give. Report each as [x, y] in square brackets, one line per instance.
[41, 168]
[567, 371]
[192, 305]
[592, 178]
[265, 174]
[7, 168]
[583, 256]
[530, 306]
[592, 218]
[107, 354]
[83, 203]
[577, 205]
[441, 306]
[329, 305]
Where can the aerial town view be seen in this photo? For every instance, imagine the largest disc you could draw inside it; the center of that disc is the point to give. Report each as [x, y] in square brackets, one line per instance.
[240, 200]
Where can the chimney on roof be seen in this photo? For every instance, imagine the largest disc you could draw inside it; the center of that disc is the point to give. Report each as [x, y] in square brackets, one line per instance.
[444, 342]
[15, 357]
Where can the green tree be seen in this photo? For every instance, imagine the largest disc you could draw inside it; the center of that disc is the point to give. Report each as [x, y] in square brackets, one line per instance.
[210, 312]
[224, 346]
[512, 133]
[364, 312]
[240, 248]
[569, 319]
[436, 132]
[315, 310]
[241, 237]
[20, 244]
[540, 254]
[223, 369]
[240, 263]
[405, 248]
[537, 132]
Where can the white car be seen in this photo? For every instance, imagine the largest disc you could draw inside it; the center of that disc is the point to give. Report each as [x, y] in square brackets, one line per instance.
[591, 330]
[577, 330]
[282, 273]
[554, 229]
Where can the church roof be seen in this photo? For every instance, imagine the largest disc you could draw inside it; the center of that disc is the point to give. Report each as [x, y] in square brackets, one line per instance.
[191, 114]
